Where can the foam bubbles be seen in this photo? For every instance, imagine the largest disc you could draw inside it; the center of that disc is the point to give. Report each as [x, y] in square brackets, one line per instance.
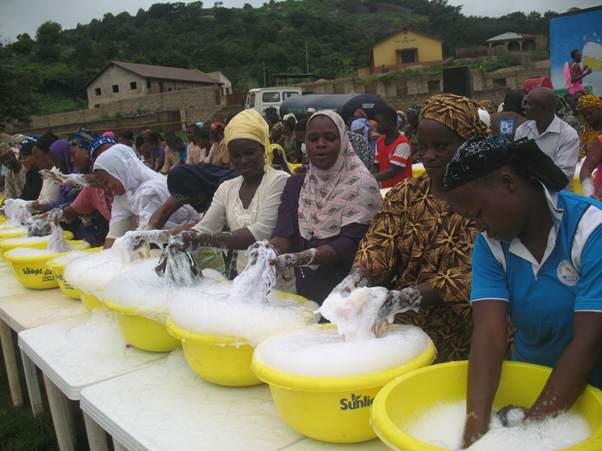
[29, 252]
[210, 309]
[443, 425]
[92, 272]
[320, 351]
[64, 259]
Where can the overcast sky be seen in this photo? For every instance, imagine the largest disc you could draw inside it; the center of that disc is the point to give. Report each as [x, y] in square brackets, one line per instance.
[25, 16]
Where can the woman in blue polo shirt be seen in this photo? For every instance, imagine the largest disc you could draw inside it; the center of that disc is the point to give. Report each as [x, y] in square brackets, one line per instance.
[537, 257]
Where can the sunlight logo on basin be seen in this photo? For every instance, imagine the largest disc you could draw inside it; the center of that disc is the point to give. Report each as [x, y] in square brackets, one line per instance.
[356, 402]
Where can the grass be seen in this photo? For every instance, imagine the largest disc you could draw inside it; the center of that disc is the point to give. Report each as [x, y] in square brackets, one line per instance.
[20, 431]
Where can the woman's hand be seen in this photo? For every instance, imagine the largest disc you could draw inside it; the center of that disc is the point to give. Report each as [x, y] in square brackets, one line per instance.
[285, 261]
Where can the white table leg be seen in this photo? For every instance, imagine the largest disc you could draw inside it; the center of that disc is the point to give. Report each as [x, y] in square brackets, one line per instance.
[33, 385]
[97, 438]
[61, 416]
[10, 359]
[118, 446]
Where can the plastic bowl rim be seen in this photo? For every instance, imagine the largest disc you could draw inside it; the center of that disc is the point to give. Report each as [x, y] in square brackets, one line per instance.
[33, 258]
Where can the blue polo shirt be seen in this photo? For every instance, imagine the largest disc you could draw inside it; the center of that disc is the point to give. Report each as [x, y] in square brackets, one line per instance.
[543, 296]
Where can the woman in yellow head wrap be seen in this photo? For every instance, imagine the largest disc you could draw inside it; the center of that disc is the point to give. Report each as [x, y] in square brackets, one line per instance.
[247, 205]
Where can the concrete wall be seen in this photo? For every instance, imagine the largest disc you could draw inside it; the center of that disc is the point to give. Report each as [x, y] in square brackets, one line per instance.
[405, 90]
[194, 105]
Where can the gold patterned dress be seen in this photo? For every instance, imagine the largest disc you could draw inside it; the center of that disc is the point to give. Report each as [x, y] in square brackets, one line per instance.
[416, 238]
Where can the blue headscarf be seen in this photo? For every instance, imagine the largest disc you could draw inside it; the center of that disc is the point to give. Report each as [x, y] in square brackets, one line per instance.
[363, 124]
[82, 138]
[31, 139]
[96, 143]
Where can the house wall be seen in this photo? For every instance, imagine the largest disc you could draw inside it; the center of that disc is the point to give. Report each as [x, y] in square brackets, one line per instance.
[386, 52]
[117, 76]
[111, 76]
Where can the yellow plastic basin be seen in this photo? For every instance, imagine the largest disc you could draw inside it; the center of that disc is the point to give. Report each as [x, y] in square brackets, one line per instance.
[332, 409]
[67, 288]
[221, 359]
[41, 244]
[12, 232]
[31, 271]
[141, 332]
[520, 384]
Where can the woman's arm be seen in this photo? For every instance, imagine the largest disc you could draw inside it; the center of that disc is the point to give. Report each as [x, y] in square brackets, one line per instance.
[574, 367]
[484, 365]
[163, 213]
[592, 160]
[575, 77]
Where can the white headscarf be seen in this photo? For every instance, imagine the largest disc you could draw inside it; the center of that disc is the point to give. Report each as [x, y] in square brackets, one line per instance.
[145, 190]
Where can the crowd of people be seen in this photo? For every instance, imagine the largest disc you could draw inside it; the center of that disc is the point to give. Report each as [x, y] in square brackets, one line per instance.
[487, 251]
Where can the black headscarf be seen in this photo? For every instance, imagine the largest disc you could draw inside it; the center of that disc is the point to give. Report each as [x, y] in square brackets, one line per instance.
[480, 156]
[188, 180]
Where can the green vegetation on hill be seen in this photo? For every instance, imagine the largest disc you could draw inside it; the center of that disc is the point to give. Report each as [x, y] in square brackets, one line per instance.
[239, 42]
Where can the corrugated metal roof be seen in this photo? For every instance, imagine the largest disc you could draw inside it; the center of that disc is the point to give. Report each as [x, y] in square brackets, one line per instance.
[161, 73]
[509, 36]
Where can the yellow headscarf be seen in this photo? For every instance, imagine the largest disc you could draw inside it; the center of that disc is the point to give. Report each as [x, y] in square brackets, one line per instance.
[249, 124]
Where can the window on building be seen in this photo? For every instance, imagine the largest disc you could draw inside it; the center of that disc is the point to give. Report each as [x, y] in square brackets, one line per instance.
[115, 88]
[168, 89]
[148, 84]
[434, 85]
[97, 91]
[97, 105]
[408, 56]
[499, 82]
[133, 85]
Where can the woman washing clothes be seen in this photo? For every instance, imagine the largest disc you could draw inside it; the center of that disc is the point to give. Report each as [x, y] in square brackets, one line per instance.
[325, 212]
[537, 258]
[41, 154]
[60, 158]
[246, 205]
[416, 245]
[138, 192]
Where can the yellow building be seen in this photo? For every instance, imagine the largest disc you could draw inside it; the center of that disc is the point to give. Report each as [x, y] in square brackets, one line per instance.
[403, 49]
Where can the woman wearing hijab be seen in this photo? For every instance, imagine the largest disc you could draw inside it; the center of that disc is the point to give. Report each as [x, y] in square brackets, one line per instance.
[246, 205]
[536, 258]
[138, 192]
[325, 212]
[363, 127]
[417, 243]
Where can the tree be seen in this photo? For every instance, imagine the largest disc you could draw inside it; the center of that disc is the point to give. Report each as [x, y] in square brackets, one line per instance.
[17, 94]
[47, 37]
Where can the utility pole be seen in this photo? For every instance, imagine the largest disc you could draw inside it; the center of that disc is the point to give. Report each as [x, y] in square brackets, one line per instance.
[306, 59]
[264, 75]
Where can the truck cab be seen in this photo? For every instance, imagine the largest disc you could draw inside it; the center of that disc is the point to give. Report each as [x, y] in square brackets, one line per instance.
[262, 99]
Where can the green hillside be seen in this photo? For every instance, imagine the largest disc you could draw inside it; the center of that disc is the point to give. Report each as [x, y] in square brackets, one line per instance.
[47, 72]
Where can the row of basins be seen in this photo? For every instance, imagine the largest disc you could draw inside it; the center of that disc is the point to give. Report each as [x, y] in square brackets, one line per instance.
[322, 387]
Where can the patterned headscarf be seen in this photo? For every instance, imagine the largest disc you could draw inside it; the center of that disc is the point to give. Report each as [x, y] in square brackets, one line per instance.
[364, 125]
[249, 124]
[457, 113]
[589, 101]
[344, 194]
[413, 109]
[480, 156]
[82, 138]
[94, 145]
[30, 139]
[489, 106]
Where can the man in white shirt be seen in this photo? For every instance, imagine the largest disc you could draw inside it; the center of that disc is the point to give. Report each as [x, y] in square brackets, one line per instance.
[555, 137]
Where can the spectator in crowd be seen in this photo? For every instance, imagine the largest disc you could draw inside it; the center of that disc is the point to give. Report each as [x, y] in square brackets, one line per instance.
[510, 118]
